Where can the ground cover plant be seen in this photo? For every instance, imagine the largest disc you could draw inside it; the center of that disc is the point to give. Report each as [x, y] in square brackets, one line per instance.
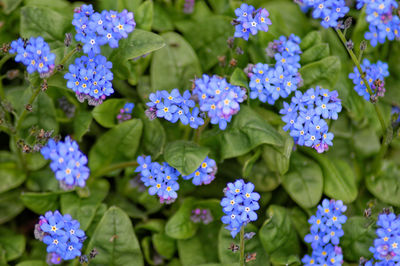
[199, 132]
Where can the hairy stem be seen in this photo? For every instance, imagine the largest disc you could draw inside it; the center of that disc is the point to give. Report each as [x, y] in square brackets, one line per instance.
[241, 259]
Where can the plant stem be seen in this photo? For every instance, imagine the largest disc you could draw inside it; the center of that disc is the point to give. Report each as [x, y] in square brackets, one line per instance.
[241, 259]
[65, 59]
[113, 167]
[200, 130]
[25, 112]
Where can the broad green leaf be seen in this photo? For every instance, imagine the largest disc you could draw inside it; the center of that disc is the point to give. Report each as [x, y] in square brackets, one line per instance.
[311, 39]
[366, 142]
[119, 5]
[10, 205]
[174, 65]
[144, 15]
[279, 237]
[11, 176]
[185, 156]
[32, 263]
[106, 113]
[40, 202]
[249, 163]
[247, 131]
[239, 78]
[82, 122]
[304, 181]
[162, 21]
[116, 145]
[300, 222]
[8, 6]
[315, 53]
[146, 247]
[323, 72]
[154, 136]
[115, 240]
[164, 245]
[153, 225]
[45, 22]
[180, 226]
[126, 205]
[35, 161]
[43, 180]
[84, 209]
[358, 237]
[253, 245]
[277, 159]
[208, 36]
[13, 244]
[263, 179]
[386, 183]
[339, 178]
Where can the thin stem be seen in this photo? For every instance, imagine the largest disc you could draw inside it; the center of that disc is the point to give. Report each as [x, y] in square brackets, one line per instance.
[65, 59]
[357, 63]
[113, 167]
[200, 130]
[241, 259]
[25, 112]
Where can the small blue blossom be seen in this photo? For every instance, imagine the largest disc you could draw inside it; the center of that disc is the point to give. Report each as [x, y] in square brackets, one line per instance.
[35, 54]
[94, 29]
[219, 99]
[239, 205]
[250, 21]
[62, 235]
[90, 78]
[205, 174]
[125, 112]
[329, 11]
[326, 230]
[68, 162]
[305, 115]
[375, 76]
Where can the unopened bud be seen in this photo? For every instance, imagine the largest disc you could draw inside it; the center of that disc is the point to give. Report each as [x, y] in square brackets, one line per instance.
[68, 39]
[348, 22]
[44, 85]
[363, 45]
[28, 107]
[233, 62]
[350, 44]
[230, 42]
[239, 50]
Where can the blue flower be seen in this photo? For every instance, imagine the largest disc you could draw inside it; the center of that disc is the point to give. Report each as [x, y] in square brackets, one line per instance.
[62, 235]
[204, 174]
[325, 233]
[250, 20]
[68, 162]
[35, 54]
[239, 205]
[329, 11]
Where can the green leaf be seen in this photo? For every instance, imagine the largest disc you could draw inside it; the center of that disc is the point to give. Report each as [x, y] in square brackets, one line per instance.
[206, 32]
[11, 176]
[10, 205]
[185, 156]
[174, 65]
[278, 236]
[161, 19]
[45, 22]
[154, 136]
[84, 209]
[40, 202]
[105, 114]
[119, 5]
[311, 39]
[304, 181]
[386, 183]
[263, 179]
[32, 263]
[115, 240]
[315, 53]
[144, 15]
[357, 238]
[180, 226]
[247, 131]
[339, 178]
[9, 5]
[366, 142]
[277, 159]
[252, 245]
[239, 78]
[300, 222]
[35, 161]
[323, 72]
[116, 145]
[13, 244]
[82, 122]
[164, 245]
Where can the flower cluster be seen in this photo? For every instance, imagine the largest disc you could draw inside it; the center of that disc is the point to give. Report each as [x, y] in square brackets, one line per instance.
[374, 74]
[239, 205]
[384, 23]
[35, 54]
[250, 21]
[201, 216]
[125, 113]
[386, 247]
[161, 179]
[61, 234]
[329, 11]
[305, 115]
[205, 174]
[90, 78]
[94, 29]
[269, 83]
[218, 98]
[173, 107]
[326, 230]
[188, 6]
[68, 162]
